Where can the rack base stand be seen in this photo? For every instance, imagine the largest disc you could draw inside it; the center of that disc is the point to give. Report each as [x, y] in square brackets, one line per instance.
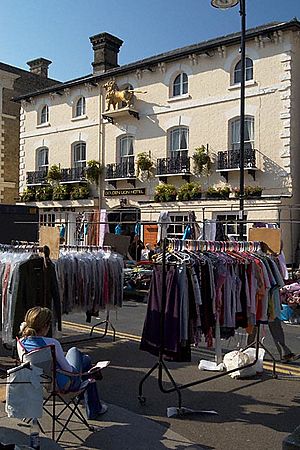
[180, 410]
[107, 322]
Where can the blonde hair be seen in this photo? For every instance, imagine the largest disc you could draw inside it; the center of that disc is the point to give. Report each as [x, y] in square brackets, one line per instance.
[36, 319]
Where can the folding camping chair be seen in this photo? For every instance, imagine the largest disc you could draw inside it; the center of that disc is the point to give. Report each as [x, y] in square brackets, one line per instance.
[45, 358]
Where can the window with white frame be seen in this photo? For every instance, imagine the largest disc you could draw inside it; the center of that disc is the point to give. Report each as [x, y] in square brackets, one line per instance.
[230, 223]
[126, 153]
[79, 155]
[180, 85]
[177, 226]
[80, 107]
[237, 76]
[178, 142]
[42, 159]
[44, 117]
[235, 127]
[48, 219]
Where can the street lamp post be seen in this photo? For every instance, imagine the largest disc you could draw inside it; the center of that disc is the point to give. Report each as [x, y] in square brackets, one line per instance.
[225, 4]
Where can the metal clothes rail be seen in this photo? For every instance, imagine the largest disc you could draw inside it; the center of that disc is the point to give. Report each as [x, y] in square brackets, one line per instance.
[161, 366]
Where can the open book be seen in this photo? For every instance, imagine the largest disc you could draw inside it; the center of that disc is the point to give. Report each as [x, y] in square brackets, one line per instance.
[100, 365]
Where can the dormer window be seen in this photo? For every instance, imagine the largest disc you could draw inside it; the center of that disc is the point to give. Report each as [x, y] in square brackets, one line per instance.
[237, 77]
[44, 118]
[80, 107]
[180, 85]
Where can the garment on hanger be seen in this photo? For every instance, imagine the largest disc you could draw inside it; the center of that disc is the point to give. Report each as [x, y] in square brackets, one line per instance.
[26, 280]
[90, 280]
[239, 288]
[163, 223]
[104, 228]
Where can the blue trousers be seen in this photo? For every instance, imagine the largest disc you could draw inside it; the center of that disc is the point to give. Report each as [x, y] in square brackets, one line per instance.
[82, 363]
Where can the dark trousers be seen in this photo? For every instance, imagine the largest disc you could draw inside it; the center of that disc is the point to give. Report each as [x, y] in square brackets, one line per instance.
[277, 334]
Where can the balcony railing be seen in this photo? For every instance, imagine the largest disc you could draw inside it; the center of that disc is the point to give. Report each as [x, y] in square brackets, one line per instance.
[173, 166]
[230, 160]
[37, 177]
[72, 175]
[120, 170]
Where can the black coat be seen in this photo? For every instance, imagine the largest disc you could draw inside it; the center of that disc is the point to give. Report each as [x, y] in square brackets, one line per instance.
[37, 286]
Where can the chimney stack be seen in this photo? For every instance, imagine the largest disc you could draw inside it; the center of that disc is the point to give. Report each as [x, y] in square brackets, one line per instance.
[106, 48]
[39, 66]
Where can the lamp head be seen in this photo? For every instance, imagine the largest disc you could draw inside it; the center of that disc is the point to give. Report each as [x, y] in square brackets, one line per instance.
[224, 4]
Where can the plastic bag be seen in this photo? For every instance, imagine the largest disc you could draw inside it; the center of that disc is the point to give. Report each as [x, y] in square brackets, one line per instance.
[238, 359]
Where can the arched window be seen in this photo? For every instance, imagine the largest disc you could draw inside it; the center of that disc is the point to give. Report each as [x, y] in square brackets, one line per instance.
[126, 154]
[80, 107]
[180, 85]
[79, 155]
[234, 133]
[178, 142]
[44, 118]
[237, 78]
[42, 159]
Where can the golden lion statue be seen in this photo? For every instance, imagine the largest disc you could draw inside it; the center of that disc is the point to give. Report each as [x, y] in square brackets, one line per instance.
[114, 96]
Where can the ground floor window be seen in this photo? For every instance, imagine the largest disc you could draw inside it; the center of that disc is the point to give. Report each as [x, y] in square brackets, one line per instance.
[47, 219]
[177, 226]
[231, 225]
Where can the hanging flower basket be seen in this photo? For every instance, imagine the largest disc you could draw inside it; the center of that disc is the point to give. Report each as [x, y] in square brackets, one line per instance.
[93, 171]
[54, 174]
[202, 161]
[144, 165]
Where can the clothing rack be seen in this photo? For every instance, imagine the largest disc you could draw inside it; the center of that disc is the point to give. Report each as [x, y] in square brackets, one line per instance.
[106, 320]
[161, 365]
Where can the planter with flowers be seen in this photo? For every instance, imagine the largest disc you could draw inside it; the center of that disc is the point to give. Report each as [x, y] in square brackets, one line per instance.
[79, 193]
[165, 193]
[250, 191]
[61, 192]
[218, 192]
[28, 195]
[189, 191]
[44, 194]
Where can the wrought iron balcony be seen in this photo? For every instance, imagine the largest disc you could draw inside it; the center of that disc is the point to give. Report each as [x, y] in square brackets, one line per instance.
[173, 166]
[72, 175]
[38, 177]
[121, 170]
[230, 160]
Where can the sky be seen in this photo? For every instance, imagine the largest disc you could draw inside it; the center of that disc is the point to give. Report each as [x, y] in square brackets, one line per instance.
[59, 30]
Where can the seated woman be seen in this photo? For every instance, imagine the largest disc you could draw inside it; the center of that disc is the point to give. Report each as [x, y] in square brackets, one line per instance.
[34, 331]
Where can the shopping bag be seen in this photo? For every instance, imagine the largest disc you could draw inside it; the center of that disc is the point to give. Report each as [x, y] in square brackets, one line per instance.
[239, 358]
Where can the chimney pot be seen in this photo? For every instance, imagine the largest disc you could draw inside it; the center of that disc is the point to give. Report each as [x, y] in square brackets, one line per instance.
[106, 48]
[39, 66]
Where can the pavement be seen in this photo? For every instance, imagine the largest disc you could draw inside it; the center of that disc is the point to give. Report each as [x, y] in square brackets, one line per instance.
[257, 413]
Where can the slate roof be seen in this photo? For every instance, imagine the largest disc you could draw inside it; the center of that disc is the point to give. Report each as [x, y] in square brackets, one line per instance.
[172, 55]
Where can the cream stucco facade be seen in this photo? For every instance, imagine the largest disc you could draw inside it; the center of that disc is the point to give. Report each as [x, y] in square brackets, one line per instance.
[206, 111]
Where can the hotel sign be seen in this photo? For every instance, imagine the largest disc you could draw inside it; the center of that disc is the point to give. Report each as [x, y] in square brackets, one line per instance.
[118, 192]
